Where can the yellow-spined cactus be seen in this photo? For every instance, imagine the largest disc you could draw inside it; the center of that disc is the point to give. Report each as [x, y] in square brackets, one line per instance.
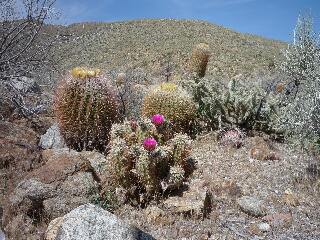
[199, 59]
[86, 106]
[83, 73]
[171, 101]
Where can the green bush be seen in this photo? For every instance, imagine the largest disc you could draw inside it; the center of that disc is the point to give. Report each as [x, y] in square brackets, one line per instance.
[237, 105]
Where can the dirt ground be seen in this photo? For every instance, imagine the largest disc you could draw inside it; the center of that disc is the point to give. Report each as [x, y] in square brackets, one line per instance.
[290, 193]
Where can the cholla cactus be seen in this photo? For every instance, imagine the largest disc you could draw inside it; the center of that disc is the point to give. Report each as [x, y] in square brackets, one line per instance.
[85, 107]
[143, 156]
[171, 101]
[175, 178]
[199, 59]
[237, 105]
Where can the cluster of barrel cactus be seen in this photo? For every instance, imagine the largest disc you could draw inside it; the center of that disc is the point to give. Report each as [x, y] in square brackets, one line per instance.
[172, 101]
[148, 156]
[86, 107]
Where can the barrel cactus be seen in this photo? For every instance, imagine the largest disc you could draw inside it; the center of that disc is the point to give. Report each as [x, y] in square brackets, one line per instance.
[171, 101]
[199, 59]
[86, 107]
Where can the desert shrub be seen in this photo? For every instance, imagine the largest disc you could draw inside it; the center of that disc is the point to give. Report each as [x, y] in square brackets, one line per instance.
[147, 156]
[300, 114]
[85, 107]
[199, 59]
[131, 86]
[171, 101]
[237, 105]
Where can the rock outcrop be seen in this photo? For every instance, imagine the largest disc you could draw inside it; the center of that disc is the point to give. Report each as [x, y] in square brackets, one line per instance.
[92, 222]
[67, 180]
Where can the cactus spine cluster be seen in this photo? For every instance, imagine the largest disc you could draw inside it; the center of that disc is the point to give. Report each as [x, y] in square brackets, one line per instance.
[86, 107]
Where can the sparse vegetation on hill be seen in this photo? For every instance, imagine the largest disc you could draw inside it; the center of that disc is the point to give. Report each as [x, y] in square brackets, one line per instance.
[149, 44]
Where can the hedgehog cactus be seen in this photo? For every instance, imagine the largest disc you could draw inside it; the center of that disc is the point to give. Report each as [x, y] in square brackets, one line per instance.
[85, 107]
[199, 59]
[143, 157]
[171, 101]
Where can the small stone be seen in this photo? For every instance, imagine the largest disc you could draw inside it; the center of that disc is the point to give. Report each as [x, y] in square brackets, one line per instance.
[52, 138]
[25, 84]
[2, 236]
[197, 200]
[121, 195]
[251, 206]
[264, 227]
[262, 150]
[53, 228]
[153, 213]
[279, 219]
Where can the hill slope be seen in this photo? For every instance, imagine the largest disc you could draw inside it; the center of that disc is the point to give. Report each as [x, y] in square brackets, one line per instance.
[147, 43]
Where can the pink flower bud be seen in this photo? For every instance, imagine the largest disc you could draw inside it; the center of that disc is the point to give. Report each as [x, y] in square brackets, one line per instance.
[157, 119]
[150, 144]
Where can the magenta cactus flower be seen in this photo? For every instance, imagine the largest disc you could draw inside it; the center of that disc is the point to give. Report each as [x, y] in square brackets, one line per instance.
[150, 144]
[157, 119]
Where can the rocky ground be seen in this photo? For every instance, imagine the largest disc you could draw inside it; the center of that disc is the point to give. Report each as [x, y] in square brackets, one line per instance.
[251, 198]
[262, 190]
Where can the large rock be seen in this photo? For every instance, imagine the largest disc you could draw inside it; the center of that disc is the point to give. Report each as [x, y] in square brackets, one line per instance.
[33, 190]
[19, 154]
[67, 180]
[91, 222]
[18, 147]
[52, 138]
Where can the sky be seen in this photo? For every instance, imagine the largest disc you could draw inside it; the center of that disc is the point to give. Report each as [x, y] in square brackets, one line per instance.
[274, 19]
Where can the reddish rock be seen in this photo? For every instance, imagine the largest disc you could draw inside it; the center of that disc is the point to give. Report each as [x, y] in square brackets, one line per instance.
[279, 219]
[262, 150]
[66, 180]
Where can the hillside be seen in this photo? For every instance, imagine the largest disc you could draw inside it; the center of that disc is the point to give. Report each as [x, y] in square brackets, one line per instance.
[101, 165]
[148, 43]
